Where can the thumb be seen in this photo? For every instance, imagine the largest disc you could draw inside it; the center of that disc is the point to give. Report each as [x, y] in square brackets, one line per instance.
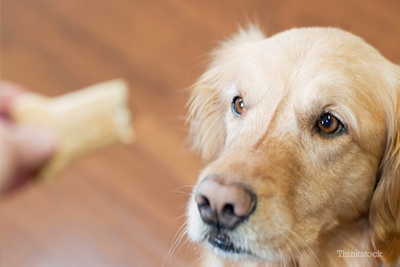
[33, 146]
[23, 149]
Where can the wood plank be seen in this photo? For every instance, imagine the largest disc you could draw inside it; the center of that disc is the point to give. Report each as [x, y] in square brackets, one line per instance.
[122, 206]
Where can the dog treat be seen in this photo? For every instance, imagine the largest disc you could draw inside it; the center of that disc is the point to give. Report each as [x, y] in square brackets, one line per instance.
[83, 121]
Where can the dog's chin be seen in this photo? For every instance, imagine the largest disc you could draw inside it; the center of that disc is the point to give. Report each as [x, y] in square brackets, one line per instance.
[235, 248]
[222, 241]
[222, 245]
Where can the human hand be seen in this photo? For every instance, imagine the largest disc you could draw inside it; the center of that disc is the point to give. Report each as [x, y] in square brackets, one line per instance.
[23, 149]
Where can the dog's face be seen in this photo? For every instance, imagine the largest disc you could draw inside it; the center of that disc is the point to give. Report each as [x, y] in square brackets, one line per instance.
[293, 129]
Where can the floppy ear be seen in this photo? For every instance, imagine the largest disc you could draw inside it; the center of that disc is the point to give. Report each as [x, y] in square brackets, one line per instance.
[385, 205]
[207, 109]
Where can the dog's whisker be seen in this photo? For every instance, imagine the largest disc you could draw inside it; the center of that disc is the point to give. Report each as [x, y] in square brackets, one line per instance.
[303, 241]
[292, 255]
[182, 235]
[290, 240]
[185, 186]
[200, 257]
[178, 218]
[311, 250]
[178, 190]
[177, 238]
[182, 193]
[281, 258]
[187, 241]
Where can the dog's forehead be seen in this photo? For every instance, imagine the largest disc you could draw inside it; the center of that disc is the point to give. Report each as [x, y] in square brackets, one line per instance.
[325, 65]
[295, 78]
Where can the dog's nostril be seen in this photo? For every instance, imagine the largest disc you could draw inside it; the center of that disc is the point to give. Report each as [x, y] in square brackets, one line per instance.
[228, 209]
[206, 212]
[203, 205]
[203, 202]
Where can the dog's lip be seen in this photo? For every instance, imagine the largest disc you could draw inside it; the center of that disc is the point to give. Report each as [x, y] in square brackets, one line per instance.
[223, 242]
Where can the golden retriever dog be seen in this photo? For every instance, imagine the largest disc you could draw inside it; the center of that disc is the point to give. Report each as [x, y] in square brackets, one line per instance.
[300, 134]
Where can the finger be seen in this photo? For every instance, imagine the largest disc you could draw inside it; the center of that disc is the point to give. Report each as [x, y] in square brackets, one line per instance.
[22, 150]
[33, 145]
[8, 160]
[8, 93]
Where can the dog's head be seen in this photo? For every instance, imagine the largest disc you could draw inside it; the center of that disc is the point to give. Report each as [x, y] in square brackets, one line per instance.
[300, 133]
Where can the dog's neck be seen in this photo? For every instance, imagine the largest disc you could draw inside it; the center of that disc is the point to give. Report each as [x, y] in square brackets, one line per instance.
[336, 251]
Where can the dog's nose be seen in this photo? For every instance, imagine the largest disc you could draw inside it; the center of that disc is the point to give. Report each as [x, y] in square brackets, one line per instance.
[222, 205]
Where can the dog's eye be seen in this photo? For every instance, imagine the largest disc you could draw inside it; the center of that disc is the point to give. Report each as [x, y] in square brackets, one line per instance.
[329, 124]
[237, 105]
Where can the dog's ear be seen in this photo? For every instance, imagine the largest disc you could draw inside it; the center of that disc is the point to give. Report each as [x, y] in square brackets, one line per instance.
[206, 108]
[385, 205]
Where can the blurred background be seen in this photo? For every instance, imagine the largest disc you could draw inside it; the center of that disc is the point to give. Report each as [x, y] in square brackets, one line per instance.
[122, 206]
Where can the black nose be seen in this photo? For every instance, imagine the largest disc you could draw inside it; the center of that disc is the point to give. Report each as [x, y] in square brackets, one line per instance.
[224, 206]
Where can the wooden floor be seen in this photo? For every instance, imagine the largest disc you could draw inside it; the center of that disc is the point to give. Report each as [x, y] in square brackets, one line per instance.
[122, 205]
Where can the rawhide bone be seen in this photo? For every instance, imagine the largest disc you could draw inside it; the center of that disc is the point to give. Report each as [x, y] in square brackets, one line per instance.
[83, 121]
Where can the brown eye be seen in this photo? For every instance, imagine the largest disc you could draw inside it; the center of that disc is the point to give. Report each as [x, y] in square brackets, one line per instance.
[329, 124]
[237, 106]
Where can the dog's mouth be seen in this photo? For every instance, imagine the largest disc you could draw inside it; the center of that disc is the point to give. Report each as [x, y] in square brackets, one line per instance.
[223, 242]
